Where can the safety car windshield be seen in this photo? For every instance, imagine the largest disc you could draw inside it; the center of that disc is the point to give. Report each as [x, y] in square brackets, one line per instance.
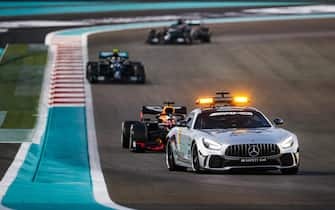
[231, 119]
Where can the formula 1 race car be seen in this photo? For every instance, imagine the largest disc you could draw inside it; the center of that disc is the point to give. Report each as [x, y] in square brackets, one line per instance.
[115, 67]
[224, 134]
[182, 32]
[150, 132]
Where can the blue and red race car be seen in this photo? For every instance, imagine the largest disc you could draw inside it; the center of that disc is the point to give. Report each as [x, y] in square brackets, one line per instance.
[149, 133]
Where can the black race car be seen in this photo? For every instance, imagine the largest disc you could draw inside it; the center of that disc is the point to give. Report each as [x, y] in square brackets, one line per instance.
[149, 133]
[115, 67]
[180, 33]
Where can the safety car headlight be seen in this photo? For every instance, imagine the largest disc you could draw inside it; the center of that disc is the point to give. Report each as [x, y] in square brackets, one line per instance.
[287, 143]
[210, 144]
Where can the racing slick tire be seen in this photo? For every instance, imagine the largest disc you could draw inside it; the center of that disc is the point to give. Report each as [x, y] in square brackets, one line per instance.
[188, 39]
[169, 158]
[125, 133]
[206, 39]
[139, 72]
[138, 132]
[289, 171]
[90, 69]
[195, 159]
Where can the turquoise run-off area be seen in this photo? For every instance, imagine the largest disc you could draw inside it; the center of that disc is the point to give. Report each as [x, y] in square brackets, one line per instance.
[44, 8]
[56, 173]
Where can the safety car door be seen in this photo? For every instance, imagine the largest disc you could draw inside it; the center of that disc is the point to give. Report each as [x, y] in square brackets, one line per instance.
[186, 138]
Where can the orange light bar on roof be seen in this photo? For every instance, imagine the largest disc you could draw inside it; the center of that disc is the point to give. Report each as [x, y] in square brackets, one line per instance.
[205, 101]
[240, 99]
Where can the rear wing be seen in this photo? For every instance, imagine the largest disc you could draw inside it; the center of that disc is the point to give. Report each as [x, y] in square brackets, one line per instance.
[193, 22]
[154, 110]
[106, 55]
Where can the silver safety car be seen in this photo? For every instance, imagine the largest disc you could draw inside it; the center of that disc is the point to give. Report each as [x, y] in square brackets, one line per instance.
[224, 134]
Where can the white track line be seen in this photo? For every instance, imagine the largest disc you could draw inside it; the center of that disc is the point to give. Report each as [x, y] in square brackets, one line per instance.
[69, 95]
[100, 191]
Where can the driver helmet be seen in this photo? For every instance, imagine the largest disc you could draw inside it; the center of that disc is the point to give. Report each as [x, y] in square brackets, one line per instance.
[180, 21]
[116, 52]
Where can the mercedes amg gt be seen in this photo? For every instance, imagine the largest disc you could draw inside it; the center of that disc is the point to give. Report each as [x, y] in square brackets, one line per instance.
[224, 134]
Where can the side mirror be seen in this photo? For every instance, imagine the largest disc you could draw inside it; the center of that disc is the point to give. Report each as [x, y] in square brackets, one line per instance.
[278, 121]
[181, 123]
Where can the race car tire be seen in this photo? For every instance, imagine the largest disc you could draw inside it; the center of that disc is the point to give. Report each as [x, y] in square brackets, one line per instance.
[170, 162]
[139, 72]
[125, 133]
[188, 39]
[151, 36]
[91, 67]
[289, 171]
[137, 132]
[195, 159]
[206, 39]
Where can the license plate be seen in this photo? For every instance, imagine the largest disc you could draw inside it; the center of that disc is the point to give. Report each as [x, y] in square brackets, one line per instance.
[253, 160]
[101, 78]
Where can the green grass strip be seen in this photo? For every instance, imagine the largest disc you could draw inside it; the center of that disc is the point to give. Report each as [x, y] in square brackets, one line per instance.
[21, 75]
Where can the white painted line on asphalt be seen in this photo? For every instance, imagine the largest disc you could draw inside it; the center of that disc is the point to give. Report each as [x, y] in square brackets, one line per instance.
[66, 104]
[67, 81]
[59, 65]
[12, 171]
[100, 191]
[68, 59]
[67, 90]
[67, 73]
[67, 86]
[70, 95]
[3, 52]
[68, 77]
[66, 100]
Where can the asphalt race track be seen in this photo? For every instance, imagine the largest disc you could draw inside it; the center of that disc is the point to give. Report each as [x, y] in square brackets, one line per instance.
[287, 67]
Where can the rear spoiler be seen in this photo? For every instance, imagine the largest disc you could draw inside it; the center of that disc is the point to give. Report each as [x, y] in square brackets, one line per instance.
[105, 55]
[158, 109]
[193, 22]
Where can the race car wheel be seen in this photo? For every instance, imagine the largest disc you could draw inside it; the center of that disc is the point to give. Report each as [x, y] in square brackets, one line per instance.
[91, 66]
[139, 73]
[289, 171]
[125, 133]
[195, 159]
[188, 39]
[206, 39]
[137, 133]
[170, 162]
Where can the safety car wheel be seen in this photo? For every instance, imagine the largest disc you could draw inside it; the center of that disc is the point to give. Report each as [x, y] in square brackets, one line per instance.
[170, 162]
[195, 159]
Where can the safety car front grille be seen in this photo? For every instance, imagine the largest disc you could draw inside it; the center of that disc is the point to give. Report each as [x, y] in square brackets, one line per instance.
[252, 150]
